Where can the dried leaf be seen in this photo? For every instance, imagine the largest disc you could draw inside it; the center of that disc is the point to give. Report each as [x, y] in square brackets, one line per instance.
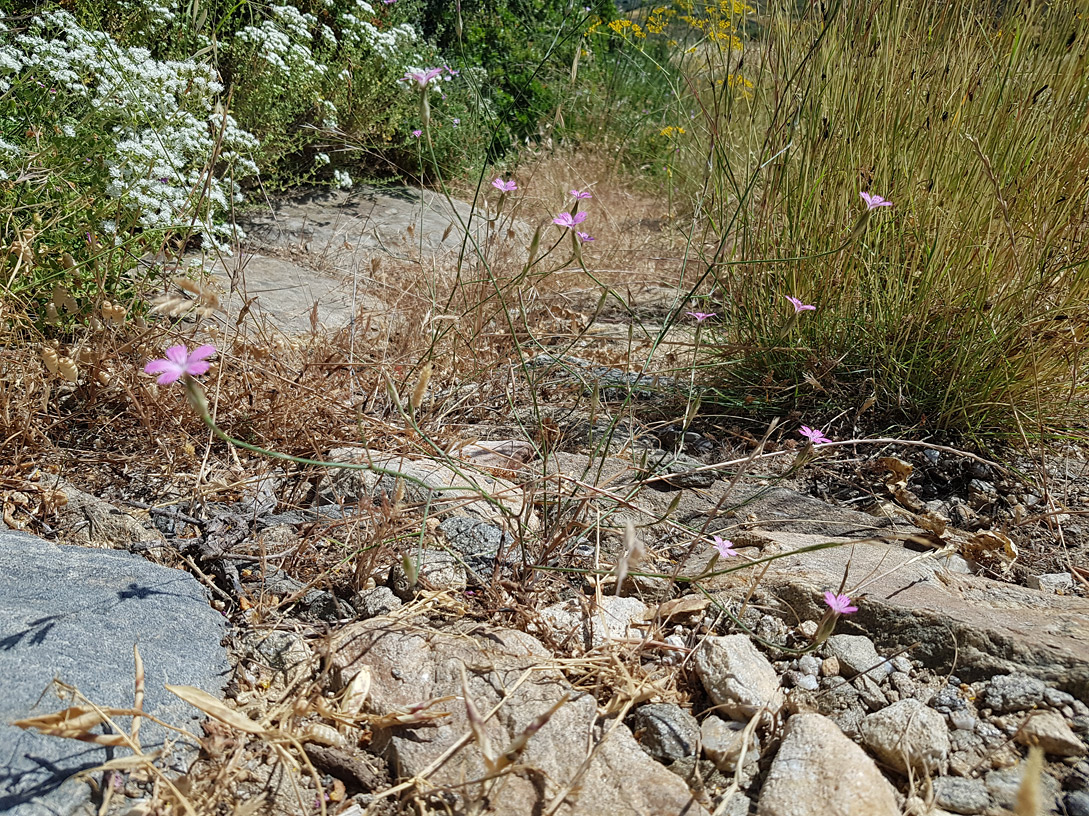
[355, 695]
[688, 605]
[989, 544]
[76, 723]
[216, 709]
[900, 471]
[931, 522]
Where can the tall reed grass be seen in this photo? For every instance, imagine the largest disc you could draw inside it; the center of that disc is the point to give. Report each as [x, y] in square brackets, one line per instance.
[964, 306]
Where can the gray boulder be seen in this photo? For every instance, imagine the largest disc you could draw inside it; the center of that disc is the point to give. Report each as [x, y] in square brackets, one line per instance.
[74, 614]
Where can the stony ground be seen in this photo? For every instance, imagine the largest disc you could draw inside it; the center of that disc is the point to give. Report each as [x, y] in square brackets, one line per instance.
[507, 664]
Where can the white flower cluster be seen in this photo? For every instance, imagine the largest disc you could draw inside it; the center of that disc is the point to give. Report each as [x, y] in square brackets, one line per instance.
[284, 43]
[358, 32]
[342, 179]
[155, 121]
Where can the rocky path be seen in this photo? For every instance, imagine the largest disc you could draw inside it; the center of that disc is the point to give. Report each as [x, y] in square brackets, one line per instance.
[499, 668]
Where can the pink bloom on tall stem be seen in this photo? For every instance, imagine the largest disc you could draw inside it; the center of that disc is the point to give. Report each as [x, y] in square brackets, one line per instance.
[814, 435]
[799, 306]
[504, 186]
[565, 219]
[179, 363]
[724, 547]
[581, 194]
[840, 604]
[584, 237]
[700, 316]
[421, 78]
[417, 133]
[873, 201]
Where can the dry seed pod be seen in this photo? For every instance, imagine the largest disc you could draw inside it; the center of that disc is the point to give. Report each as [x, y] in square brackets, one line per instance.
[420, 391]
[63, 298]
[51, 316]
[355, 695]
[102, 377]
[67, 261]
[68, 369]
[323, 734]
[51, 359]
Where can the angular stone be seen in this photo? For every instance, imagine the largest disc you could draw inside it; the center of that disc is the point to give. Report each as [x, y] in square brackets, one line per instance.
[74, 614]
[737, 677]
[979, 627]
[1055, 582]
[424, 481]
[666, 731]
[370, 603]
[908, 736]
[1049, 730]
[961, 795]
[1013, 692]
[857, 654]
[817, 769]
[722, 743]
[510, 672]
[579, 623]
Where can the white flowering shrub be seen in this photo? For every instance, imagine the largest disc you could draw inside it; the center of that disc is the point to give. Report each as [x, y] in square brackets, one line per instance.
[128, 125]
[122, 149]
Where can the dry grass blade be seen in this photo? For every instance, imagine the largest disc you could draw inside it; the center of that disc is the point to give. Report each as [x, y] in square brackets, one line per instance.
[76, 722]
[476, 724]
[215, 709]
[515, 749]
[138, 694]
[1028, 794]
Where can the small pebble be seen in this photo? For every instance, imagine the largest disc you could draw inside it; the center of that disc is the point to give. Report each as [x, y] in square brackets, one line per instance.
[808, 629]
[808, 682]
[809, 664]
[961, 795]
[948, 700]
[902, 683]
[1057, 699]
[962, 720]
[830, 667]
[901, 664]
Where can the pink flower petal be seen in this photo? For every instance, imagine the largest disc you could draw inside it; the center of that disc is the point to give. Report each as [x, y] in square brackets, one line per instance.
[177, 354]
[201, 352]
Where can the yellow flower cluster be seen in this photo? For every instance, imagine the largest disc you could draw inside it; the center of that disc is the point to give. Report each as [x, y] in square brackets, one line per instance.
[670, 130]
[717, 20]
[624, 27]
[738, 82]
[659, 18]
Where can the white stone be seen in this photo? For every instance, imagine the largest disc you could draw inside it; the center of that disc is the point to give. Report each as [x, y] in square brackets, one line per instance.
[1049, 730]
[820, 772]
[1055, 582]
[908, 736]
[737, 677]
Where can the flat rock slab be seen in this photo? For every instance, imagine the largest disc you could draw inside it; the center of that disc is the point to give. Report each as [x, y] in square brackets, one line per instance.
[73, 614]
[292, 298]
[512, 673]
[972, 625]
[344, 229]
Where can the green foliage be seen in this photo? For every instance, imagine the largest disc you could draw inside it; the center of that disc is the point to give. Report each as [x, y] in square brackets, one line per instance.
[527, 48]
